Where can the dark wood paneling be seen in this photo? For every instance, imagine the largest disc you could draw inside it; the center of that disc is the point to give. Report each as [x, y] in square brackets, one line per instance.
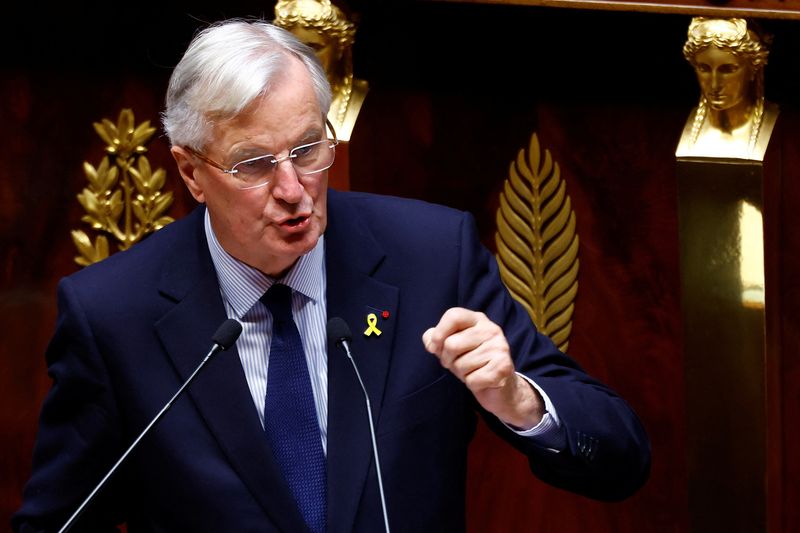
[787, 373]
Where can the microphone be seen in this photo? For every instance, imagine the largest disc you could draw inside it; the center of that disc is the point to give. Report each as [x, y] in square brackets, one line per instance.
[339, 334]
[223, 339]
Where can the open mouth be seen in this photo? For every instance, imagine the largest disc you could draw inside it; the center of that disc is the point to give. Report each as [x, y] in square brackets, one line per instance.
[294, 222]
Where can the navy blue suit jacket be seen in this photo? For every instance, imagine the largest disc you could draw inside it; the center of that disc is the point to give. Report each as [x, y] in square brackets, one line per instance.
[132, 328]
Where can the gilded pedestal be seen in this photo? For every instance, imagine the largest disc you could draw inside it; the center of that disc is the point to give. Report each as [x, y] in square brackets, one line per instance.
[723, 313]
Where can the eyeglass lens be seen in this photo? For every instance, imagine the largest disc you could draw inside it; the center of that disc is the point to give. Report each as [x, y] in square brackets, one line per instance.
[306, 159]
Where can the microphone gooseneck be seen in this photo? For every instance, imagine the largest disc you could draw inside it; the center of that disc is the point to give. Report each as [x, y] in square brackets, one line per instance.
[339, 334]
[223, 339]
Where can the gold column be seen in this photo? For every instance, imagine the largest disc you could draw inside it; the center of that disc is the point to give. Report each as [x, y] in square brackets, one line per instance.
[724, 295]
[723, 313]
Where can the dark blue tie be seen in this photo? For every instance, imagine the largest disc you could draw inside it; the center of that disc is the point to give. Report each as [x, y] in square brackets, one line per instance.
[290, 416]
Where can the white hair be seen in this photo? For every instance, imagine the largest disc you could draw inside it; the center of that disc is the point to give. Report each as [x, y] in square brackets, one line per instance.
[225, 68]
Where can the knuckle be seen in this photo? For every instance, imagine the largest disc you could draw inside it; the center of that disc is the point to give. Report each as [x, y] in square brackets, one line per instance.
[472, 381]
[495, 377]
[449, 346]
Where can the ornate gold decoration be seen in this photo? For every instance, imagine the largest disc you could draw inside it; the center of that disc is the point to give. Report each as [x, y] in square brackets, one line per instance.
[128, 208]
[537, 244]
[324, 27]
[732, 118]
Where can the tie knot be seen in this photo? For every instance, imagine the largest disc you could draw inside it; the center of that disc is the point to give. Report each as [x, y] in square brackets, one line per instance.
[278, 300]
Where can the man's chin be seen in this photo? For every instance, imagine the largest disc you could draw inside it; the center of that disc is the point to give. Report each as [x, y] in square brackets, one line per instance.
[300, 243]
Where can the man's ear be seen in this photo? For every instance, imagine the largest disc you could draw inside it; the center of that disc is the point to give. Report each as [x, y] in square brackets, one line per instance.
[187, 168]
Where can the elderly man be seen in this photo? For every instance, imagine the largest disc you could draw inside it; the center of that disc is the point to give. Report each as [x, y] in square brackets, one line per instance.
[275, 434]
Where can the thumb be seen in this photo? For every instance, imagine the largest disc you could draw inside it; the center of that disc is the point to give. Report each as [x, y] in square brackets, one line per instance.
[428, 342]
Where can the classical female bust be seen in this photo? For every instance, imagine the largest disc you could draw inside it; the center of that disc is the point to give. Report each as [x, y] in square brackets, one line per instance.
[732, 119]
[323, 27]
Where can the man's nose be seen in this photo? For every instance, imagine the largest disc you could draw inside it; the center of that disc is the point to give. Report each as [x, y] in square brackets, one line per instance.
[286, 182]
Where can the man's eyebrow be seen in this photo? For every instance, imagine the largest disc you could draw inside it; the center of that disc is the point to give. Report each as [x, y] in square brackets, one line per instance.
[312, 134]
[247, 151]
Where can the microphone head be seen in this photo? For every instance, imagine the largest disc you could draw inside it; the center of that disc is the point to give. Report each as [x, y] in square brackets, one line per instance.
[227, 333]
[338, 331]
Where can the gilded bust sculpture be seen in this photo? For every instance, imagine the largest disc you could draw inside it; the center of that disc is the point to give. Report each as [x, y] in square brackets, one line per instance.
[732, 119]
[323, 27]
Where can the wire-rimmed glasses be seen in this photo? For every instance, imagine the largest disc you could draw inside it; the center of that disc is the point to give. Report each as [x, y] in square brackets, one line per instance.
[311, 158]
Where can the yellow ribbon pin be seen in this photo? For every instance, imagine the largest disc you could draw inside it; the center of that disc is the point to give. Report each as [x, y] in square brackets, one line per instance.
[372, 319]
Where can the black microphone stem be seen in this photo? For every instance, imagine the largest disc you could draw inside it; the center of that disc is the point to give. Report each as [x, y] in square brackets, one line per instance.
[218, 346]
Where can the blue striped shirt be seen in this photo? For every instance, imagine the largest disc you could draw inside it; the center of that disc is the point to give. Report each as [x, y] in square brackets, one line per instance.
[242, 286]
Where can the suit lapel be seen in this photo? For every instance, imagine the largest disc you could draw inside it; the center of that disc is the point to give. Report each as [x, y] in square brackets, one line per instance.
[220, 392]
[352, 258]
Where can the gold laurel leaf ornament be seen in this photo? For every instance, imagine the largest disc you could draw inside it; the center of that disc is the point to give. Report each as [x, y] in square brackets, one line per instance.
[123, 199]
[537, 246]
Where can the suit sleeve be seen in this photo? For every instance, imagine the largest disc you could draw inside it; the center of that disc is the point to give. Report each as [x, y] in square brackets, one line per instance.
[607, 455]
[79, 436]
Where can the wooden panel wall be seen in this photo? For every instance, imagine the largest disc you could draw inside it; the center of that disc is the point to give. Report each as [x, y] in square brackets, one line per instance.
[607, 93]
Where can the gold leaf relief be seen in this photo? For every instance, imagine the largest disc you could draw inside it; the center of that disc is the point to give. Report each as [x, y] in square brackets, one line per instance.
[561, 337]
[563, 264]
[162, 203]
[116, 206]
[161, 222]
[507, 220]
[124, 198]
[157, 180]
[106, 130]
[560, 243]
[138, 210]
[89, 201]
[141, 135]
[537, 245]
[138, 180]
[556, 202]
[109, 179]
[125, 125]
[91, 175]
[89, 253]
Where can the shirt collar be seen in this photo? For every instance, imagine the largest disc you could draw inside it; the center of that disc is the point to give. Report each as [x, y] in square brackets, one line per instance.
[242, 285]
